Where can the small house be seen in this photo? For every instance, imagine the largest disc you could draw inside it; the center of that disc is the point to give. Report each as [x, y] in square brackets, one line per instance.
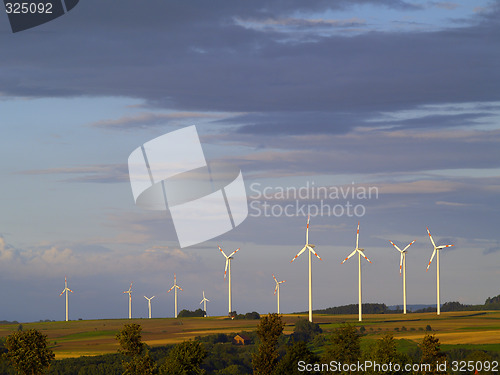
[241, 340]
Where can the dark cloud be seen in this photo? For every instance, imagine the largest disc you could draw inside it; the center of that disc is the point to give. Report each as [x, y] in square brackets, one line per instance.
[297, 122]
[194, 56]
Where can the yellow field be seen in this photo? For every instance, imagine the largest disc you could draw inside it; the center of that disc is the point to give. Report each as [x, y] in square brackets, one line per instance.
[93, 337]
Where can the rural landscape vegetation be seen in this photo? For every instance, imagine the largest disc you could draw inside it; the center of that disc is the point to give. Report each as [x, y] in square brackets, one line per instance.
[260, 344]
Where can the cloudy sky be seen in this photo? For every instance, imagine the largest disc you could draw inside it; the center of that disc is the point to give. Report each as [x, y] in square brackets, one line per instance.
[402, 97]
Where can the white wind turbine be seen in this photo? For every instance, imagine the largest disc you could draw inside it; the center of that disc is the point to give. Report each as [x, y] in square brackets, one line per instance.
[310, 249]
[360, 254]
[277, 290]
[436, 252]
[66, 290]
[228, 268]
[402, 264]
[129, 292]
[175, 286]
[149, 305]
[204, 301]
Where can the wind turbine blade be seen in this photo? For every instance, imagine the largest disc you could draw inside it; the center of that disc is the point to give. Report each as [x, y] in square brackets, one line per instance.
[284, 281]
[180, 288]
[401, 262]
[146, 297]
[152, 297]
[433, 244]
[167, 291]
[223, 253]
[357, 237]
[314, 252]
[70, 290]
[298, 254]
[443, 246]
[225, 269]
[350, 255]
[63, 293]
[275, 289]
[234, 252]
[407, 246]
[397, 248]
[364, 256]
[130, 288]
[432, 257]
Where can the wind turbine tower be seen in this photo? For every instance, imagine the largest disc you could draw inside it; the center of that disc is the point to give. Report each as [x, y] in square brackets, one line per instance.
[129, 292]
[402, 264]
[277, 290]
[149, 305]
[436, 252]
[66, 290]
[228, 271]
[175, 287]
[360, 254]
[204, 301]
[310, 249]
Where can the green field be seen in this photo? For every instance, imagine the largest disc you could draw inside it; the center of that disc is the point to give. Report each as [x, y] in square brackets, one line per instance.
[474, 330]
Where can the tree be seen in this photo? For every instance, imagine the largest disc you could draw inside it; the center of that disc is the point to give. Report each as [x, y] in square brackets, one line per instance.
[28, 352]
[140, 365]
[344, 345]
[131, 346]
[198, 313]
[305, 330]
[431, 353]
[185, 359]
[288, 365]
[384, 352]
[482, 357]
[269, 331]
[130, 339]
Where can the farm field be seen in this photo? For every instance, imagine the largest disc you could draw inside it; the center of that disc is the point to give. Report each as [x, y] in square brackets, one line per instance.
[94, 337]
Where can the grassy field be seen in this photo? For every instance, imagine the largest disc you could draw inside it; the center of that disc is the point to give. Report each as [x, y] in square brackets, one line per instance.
[92, 337]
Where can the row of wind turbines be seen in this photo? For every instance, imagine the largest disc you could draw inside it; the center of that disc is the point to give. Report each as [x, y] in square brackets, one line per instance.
[174, 287]
[360, 252]
[310, 248]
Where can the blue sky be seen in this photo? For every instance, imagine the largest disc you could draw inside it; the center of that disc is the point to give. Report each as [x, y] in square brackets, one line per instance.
[401, 96]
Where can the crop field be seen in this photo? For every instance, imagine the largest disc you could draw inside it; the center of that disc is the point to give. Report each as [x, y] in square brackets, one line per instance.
[467, 329]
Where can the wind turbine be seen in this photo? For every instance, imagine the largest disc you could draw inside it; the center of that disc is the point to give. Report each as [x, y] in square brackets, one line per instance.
[436, 252]
[175, 286]
[277, 290]
[402, 264]
[66, 290]
[204, 301]
[360, 254]
[309, 247]
[129, 292]
[149, 305]
[228, 265]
